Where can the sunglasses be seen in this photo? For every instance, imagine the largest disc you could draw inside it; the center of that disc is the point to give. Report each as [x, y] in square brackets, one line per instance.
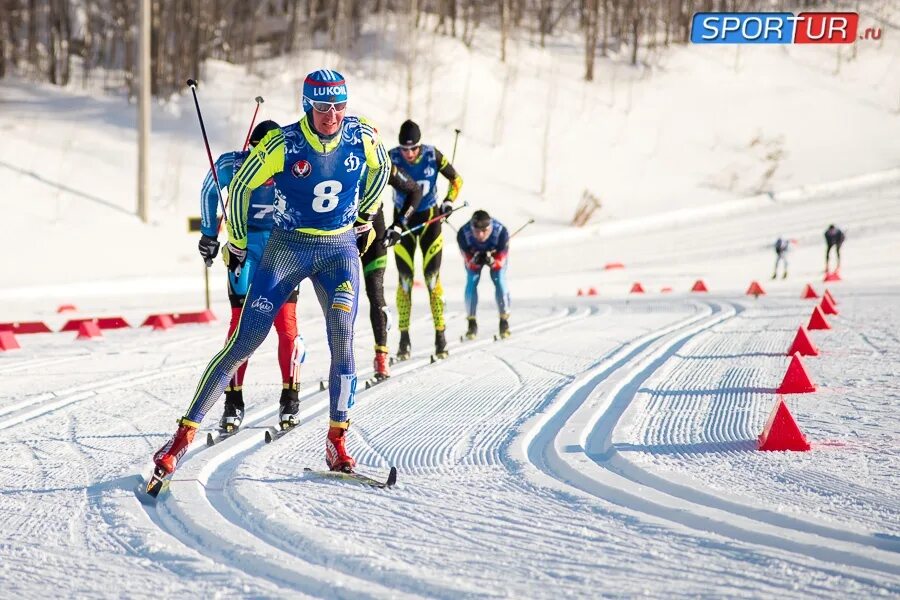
[324, 107]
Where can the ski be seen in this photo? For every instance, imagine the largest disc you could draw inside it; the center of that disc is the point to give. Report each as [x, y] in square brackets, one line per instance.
[373, 381]
[356, 477]
[156, 487]
[323, 386]
[466, 338]
[398, 358]
[498, 337]
[223, 434]
[274, 433]
[439, 356]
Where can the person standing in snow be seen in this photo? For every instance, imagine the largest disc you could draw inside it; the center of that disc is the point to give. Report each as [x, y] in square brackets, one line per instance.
[259, 228]
[423, 163]
[834, 238]
[484, 242]
[329, 171]
[782, 246]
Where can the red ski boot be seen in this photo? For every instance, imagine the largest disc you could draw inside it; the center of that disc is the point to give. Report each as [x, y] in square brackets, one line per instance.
[167, 457]
[335, 453]
[381, 366]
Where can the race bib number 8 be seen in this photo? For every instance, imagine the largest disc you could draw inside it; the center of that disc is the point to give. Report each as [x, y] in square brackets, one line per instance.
[326, 199]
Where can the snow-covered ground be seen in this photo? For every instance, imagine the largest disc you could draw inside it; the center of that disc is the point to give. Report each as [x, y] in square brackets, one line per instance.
[606, 449]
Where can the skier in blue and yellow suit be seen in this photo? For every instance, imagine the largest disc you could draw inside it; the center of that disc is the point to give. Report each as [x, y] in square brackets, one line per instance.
[329, 171]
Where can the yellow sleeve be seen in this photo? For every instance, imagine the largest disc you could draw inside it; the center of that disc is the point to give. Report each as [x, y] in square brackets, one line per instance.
[378, 172]
[265, 160]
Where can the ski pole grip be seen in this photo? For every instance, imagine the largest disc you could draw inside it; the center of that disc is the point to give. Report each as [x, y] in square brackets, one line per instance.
[192, 83]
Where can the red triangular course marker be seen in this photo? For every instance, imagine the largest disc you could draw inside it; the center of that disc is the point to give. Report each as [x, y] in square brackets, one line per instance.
[592, 292]
[802, 344]
[796, 379]
[699, 286]
[637, 288]
[88, 330]
[817, 320]
[755, 289]
[782, 432]
[580, 292]
[827, 306]
[828, 295]
[160, 322]
[8, 341]
[809, 292]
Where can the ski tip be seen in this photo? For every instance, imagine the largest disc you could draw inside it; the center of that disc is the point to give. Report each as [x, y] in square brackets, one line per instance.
[323, 386]
[269, 436]
[368, 384]
[210, 439]
[392, 478]
[433, 359]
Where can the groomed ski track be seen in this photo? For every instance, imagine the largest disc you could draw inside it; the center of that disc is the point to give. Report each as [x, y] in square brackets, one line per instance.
[518, 454]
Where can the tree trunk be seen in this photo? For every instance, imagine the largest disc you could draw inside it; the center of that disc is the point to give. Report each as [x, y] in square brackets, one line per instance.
[591, 9]
[504, 27]
[635, 29]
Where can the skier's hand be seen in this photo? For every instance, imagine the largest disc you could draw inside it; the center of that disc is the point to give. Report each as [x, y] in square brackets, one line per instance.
[234, 258]
[365, 234]
[446, 207]
[391, 236]
[209, 248]
[480, 259]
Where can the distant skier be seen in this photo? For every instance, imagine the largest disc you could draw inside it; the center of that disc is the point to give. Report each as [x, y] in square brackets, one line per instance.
[782, 246]
[423, 163]
[374, 261]
[259, 228]
[484, 242]
[325, 201]
[834, 238]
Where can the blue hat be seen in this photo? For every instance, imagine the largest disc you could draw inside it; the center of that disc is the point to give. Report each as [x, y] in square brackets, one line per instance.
[323, 85]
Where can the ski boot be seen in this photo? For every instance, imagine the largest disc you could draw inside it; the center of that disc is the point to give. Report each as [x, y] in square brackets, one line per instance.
[472, 332]
[403, 351]
[381, 366]
[775, 274]
[233, 414]
[336, 455]
[504, 326]
[290, 406]
[784, 276]
[167, 457]
[440, 345]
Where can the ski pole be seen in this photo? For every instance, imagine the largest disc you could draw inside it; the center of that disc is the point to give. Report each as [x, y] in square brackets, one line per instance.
[259, 100]
[433, 219]
[529, 222]
[455, 138]
[212, 166]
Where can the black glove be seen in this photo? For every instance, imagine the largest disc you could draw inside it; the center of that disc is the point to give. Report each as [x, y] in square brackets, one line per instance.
[480, 259]
[446, 207]
[209, 248]
[234, 258]
[364, 236]
[391, 236]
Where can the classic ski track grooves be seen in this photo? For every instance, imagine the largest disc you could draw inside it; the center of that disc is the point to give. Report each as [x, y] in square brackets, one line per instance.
[584, 416]
[202, 510]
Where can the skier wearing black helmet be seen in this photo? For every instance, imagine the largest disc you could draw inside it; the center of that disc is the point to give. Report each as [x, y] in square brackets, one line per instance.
[423, 163]
[259, 226]
[484, 242]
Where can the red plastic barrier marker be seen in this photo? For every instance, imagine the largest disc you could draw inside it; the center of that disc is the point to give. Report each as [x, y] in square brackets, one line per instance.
[636, 288]
[827, 307]
[665, 290]
[755, 289]
[613, 265]
[26, 327]
[580, 292]
[699, 286]
[88, 330]
[828, 295]
[833, 276]
[782, 432]
[796, 379]
[8, 341]
[203, 316]
[817, 320]
[160, 322]
[101, 322]
[66, 308]
[592, 291]
[809, 292]
[802, 345]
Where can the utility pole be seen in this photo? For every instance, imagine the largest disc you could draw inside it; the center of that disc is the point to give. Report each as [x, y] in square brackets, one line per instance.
[143, 171]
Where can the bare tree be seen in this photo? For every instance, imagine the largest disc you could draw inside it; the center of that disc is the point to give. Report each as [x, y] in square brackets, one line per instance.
[591, 9]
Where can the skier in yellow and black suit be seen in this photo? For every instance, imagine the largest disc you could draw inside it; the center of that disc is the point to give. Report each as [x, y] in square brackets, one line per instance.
[423, 163]
[374, 262]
